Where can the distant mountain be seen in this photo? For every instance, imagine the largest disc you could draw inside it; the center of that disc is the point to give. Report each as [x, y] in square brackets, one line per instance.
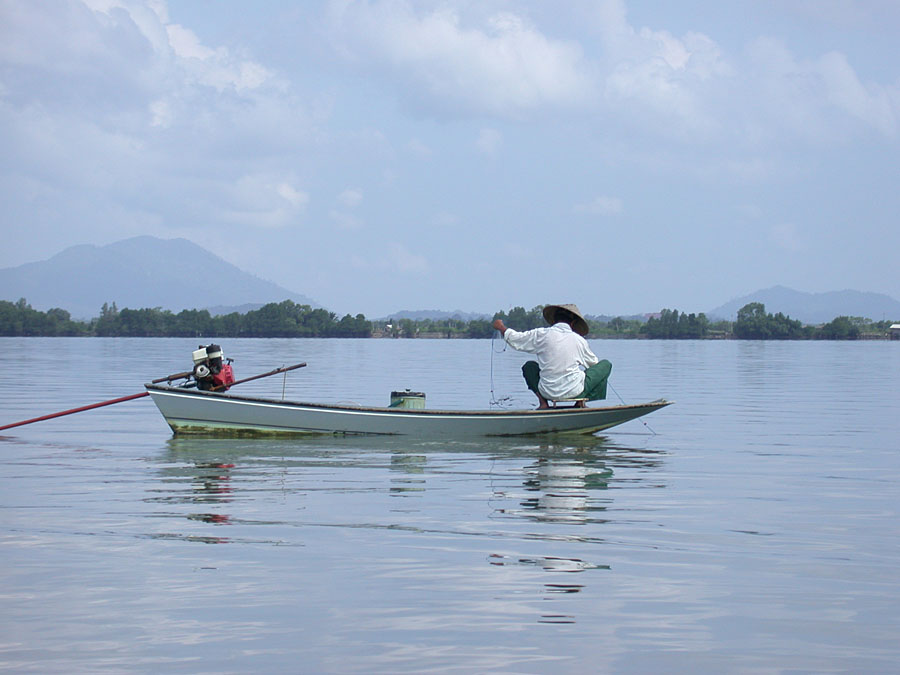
[815, 308]
[221, 310]
[440, 315]
[434, 315]
[606, 318]
[174, 274]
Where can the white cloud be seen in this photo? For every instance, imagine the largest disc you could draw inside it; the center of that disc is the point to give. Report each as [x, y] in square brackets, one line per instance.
[654, 74]
[503, 65]
[108, 98]
[686, 87]
[462, 59]
[187, 45]
[291, 195]
[601, 206]
[819, 98]
[876, 105]
[161, 113]
[262, 200]
[216, 67]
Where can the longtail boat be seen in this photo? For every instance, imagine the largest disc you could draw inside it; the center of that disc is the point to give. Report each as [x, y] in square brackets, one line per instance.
[196, 411]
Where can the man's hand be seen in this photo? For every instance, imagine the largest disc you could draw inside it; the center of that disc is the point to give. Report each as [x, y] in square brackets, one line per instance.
[498, 325]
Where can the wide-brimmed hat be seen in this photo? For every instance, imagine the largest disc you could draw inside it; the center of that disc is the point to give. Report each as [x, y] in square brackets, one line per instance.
[580, 325]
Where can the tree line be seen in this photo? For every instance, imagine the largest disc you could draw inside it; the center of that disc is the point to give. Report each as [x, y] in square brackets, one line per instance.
[288, 319]
[284, 319]
[754, 323]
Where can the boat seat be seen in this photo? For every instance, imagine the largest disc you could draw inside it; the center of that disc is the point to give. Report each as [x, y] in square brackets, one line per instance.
[573, 401]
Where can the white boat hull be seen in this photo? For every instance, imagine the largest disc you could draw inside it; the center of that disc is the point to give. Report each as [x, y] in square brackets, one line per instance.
[190, 411]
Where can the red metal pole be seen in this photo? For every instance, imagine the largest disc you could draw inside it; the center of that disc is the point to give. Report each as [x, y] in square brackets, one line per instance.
[74, 410]
[169, 378]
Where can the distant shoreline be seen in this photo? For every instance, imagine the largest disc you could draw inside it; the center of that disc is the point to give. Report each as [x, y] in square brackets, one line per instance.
[871, 337]
[290, 320]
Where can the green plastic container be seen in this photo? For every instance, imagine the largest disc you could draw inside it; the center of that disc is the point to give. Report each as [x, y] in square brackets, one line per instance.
[414, 400]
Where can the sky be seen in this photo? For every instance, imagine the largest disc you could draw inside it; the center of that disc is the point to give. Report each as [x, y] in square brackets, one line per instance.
[384, 155]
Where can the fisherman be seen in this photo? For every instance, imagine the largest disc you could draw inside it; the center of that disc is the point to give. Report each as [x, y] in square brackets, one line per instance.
[566, 368]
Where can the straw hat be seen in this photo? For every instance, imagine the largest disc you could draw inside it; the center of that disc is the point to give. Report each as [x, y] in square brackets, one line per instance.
[580, 325]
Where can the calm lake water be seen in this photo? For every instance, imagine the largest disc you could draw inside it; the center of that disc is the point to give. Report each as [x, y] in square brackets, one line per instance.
[753, 527]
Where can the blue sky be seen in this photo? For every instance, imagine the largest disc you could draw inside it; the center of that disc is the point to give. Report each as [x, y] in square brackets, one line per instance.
[387, 155]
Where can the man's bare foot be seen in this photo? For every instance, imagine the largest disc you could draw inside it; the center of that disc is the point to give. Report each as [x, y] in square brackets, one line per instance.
[581, 404]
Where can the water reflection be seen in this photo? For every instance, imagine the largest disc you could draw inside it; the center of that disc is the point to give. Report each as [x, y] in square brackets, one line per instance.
[411, 453]
[561, 488]
[528, 520]
[550, 564]
[412, 466]
[555, 481]
[568, 483]
[196, 481]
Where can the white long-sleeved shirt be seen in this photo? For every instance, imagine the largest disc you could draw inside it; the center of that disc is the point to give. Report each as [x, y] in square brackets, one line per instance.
[562, 354]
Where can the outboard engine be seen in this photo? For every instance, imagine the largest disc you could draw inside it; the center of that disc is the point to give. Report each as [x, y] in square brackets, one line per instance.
[211, 371]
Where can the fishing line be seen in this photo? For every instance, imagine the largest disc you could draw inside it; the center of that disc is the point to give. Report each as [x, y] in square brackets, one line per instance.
[623, 403]
[494, 400]
[493, 490]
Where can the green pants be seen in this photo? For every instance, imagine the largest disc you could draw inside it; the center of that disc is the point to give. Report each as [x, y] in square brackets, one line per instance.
[595, 379]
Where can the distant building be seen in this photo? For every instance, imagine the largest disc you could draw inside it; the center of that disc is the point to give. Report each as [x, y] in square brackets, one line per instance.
[895, 331]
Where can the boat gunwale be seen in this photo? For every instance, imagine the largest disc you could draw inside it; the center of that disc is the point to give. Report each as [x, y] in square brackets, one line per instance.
[181, 391]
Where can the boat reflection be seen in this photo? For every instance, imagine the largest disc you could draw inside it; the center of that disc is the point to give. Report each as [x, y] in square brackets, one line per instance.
[568, 482]
[207, 484]
[560, 489]
[411, 453]
[561, 480]
[196, 482]
[412, 468]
